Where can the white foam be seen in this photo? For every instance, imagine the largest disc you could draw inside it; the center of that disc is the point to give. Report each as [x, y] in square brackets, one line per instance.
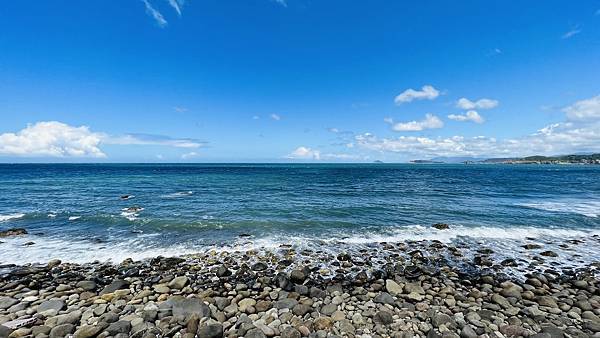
[179, 194]
[583, 207]
[4, 218]
[74, 218]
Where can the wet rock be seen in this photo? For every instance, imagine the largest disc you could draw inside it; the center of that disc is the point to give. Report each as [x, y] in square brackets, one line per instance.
[532, 246]
[298, 276]
[13, 232]
[441, 226]
[549, 253]
[117, 284]
[260, 266]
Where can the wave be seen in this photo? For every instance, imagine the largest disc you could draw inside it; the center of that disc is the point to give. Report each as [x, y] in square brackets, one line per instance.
[583, 207]
[179, 194]
[4, 218]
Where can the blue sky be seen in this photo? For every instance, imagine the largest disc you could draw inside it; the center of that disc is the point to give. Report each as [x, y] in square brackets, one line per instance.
[300, 80]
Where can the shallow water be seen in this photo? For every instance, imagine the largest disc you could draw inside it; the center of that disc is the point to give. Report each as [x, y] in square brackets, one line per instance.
[74, 211]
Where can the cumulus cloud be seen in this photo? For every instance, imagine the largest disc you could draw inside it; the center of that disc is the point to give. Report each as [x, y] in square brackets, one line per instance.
[584, 110]
[53, 139]
[430, 122]
[467, 104]
[155, 14]
[275, 117]
[471, 115]
[427, 92]
[305, 153]
[57, 139]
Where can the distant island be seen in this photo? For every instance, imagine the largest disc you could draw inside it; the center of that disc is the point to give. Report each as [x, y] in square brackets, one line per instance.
[537, 159]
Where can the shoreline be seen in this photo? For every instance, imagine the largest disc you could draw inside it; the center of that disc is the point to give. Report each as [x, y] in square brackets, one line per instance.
[401, 289]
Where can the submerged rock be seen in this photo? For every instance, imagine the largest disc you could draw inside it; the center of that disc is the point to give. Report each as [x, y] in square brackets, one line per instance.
[13, 232]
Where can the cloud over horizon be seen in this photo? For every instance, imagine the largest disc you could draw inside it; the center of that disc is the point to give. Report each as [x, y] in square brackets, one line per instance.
[429, 122]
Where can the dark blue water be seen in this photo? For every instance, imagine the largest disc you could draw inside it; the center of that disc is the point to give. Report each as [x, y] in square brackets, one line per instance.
[74, 211]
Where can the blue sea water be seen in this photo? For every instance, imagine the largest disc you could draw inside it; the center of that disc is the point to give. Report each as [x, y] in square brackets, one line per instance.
[75, 211]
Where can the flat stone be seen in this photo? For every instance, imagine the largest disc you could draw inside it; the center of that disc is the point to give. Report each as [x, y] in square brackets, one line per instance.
[384, 298]
[383, 318]
[393, 288]
[187, 306]
[179, 283]
[245, 303]
[6, 302]
[211, 331]
[117, 284]
[286, 303]
[62, 331]
[52, 304]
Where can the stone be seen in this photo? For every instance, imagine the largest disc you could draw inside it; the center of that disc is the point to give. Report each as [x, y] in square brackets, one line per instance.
[117, 284]
[393, 288]
[290, 332]
[440, 319]
[468, 332]
[179, 283]
[547, 301]
[328, 309]
[161, 288]
[6, 302]
[62, 331]
[263, 305]
[301, 309]
[322, 323]
[52, 304]
[298, 276]
[88, 331]
[121, 326]
[500, 300]
[87, 285]
[441, 226]
[255, 333]
[260, 266]
[13, 232]
[384, 298]
[246, 303]
[211, 331]
[383, 318]
[186, 306]
[286, 303]
[549, 253]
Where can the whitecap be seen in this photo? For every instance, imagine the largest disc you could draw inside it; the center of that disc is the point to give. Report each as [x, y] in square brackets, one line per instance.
[179, 194]
[587, 208]
[74, 218]
[4, 218]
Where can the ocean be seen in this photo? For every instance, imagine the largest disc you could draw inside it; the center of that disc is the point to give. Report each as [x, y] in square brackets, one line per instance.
[78, 213]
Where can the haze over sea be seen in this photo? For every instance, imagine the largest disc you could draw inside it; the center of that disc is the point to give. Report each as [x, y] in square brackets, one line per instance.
[76, 212]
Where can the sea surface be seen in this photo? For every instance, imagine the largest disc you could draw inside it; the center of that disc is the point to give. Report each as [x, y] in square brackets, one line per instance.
[75, 212]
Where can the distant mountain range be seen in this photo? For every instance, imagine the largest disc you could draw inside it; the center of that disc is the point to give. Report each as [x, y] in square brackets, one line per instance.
[537, 159]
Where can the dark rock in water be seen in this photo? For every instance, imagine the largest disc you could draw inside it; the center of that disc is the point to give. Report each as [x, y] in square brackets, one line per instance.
[223, 271]
[260, 266]
[298, 276]
[412, 271]
[509, 262]
[532, 246]
[344, 257]
[114, 286]
[28, 243]
[282, 281]
[441, 226]
[549, 253]
[211, 331]
[13, 232]
[244, 235]
[126, 197]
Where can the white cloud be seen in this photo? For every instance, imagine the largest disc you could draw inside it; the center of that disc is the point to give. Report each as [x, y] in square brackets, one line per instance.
[281, 2]
[177, 5]
[53, 139]
[180, 109]
[467, 104]
[304, 153]
[189, 155]
[426, 92]
[584, 110]
[155, 14]
[574, 31]
[471, 115]
[149, 139]
[430, 122]
[333, 130]
[275, 117]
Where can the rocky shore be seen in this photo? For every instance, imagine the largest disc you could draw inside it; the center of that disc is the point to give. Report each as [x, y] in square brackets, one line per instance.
[411, 289]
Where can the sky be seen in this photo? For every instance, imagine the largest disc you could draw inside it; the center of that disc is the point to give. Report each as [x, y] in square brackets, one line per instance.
[297, 80]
